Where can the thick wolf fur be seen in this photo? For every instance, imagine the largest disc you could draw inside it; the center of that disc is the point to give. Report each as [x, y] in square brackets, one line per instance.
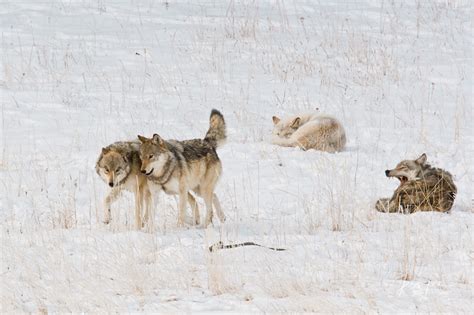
[309, 131]
[119, 166]
[178, 167]
[422, 188]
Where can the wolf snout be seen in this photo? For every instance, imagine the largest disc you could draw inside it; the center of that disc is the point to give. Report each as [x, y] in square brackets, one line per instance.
[143, 171]
[387, 173]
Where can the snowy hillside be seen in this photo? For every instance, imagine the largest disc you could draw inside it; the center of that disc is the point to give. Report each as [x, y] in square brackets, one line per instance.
[77, 75]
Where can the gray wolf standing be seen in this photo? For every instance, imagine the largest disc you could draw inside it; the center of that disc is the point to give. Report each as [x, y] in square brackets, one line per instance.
[180, 166]
[309, 131]
[119, 166]
[422, 188]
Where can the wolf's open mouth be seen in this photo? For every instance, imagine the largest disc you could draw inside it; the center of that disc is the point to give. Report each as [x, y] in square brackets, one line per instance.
[150, 172]
[402, 179]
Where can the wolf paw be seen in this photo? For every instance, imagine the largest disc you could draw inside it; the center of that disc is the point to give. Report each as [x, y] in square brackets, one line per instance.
[207, 222]
[382, 205]
[222, 218]
[192, 221]
[107, 214]
[181, 222]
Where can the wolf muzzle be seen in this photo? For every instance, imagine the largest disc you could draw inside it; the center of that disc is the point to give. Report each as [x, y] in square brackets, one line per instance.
[149, 173]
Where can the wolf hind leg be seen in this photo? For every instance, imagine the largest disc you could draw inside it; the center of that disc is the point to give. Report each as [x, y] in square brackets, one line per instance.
[304, 143]
[183, 198]
[207, 196]
[206, 192]
[217, 205]
[196, 220]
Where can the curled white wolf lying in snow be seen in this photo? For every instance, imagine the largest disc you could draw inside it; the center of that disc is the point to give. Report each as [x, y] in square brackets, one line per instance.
[309, 131]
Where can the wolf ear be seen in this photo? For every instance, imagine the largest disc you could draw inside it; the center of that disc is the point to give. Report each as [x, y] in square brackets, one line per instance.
[142, 139]
[276, 120]
[105, 150]
[295, 123]
[158, 140]
[422, 159]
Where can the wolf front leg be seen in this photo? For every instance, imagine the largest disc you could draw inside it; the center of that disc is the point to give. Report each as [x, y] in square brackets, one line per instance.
[153, 199]
[148, 217]
[284, 142]
[139, 194]
[114, 193]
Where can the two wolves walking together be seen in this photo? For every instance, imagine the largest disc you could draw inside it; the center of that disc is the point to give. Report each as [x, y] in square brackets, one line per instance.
[151, 165]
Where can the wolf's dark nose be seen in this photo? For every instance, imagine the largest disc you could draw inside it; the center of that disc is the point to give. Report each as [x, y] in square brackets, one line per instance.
[111, 184]
[387, 172]
[143, 171]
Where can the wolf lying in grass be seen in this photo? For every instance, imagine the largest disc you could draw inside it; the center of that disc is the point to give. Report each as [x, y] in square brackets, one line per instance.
[309, 131]
[422, 188]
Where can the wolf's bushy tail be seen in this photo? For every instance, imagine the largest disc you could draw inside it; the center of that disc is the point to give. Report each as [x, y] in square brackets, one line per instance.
[216, 135]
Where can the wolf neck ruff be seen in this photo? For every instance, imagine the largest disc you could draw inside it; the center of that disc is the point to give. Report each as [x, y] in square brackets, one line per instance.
[129, 157]
[168, 169]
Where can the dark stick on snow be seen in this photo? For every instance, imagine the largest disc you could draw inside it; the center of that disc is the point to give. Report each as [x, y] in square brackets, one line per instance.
[220, 245]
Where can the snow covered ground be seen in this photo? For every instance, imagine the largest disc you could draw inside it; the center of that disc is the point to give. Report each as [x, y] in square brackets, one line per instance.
[77, 75]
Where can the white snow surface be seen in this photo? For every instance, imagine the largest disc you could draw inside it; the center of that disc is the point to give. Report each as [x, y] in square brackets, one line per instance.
[77, 75]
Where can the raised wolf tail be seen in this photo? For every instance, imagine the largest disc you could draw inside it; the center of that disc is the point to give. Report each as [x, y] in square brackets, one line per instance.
[216, 135]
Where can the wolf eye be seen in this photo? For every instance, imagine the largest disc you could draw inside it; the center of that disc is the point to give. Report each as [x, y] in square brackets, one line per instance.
[118, 170]
[150, 156]
[106, 169]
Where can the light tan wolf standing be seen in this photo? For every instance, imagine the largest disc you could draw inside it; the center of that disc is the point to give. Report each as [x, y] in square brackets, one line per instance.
[422, 188]
[177, 167]
[119, 166]
[309, 131]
